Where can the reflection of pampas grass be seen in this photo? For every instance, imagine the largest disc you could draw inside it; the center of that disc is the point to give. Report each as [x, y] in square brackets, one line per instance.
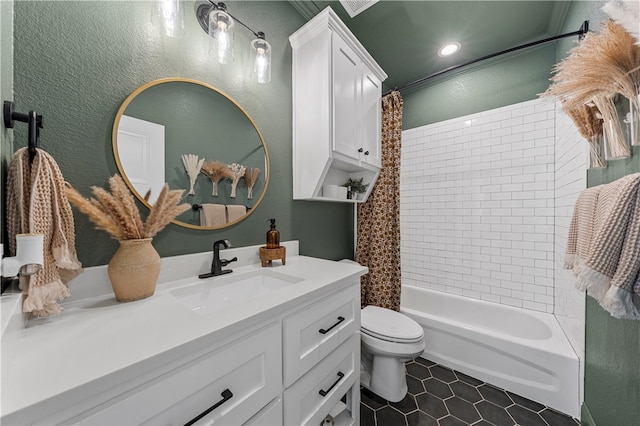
[192, 165]
[117, 213]
[250, 179]
[627, 14]
[216, 171]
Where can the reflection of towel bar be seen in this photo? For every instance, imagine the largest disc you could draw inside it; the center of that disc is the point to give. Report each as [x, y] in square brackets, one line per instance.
[33, 119]
[196, 207]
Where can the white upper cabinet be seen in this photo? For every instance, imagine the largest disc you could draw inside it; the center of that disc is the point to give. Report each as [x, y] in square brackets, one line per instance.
[337, 87]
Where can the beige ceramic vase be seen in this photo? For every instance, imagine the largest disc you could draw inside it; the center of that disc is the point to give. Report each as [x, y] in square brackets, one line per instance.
[134, 270]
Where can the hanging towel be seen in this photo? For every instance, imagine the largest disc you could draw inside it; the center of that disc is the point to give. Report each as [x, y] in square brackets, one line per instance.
[213, 215]
[37, 204]
[610, 271]
[235, 212]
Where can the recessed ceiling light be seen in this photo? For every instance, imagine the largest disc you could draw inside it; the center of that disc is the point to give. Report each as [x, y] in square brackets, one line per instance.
[449, 49]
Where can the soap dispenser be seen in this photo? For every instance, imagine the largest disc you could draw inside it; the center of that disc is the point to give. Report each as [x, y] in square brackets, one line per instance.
[273, 236]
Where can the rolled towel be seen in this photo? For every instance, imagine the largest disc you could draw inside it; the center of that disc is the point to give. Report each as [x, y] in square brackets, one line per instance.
[213, 215]
[235, 212]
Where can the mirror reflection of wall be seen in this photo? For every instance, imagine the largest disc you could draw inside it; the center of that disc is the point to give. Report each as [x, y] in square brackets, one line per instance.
[194, 119]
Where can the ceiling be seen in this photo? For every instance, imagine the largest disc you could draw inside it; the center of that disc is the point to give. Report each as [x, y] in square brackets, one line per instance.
[404, 36]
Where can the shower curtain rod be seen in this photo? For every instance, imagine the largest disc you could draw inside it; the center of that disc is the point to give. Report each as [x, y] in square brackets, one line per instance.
[584, 28]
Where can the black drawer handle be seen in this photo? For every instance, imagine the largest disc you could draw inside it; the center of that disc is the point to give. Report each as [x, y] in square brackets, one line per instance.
[226, 395]
[323, 331]
[324, 393]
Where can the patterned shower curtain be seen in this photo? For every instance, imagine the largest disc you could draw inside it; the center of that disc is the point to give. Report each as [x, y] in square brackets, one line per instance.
[378, 244]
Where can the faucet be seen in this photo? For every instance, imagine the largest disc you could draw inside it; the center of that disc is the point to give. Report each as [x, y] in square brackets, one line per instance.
[218, 264]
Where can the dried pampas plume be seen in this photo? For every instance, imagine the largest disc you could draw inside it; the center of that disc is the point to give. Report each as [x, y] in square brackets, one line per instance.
[600, 67]
[216, 171]
[250, 179]
[192, 165]
[627, 14]
[237, 171]
[117, 213]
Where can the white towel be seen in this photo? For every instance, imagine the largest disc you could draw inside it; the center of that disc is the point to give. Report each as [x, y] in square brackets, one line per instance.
[235, 212]
[213, 215]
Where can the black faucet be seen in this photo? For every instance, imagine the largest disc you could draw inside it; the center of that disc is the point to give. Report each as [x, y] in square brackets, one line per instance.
[218, 264]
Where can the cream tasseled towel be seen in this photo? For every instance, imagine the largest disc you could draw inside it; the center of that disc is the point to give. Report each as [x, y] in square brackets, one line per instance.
[235, 212]
[37, 204]
[610, 268]
[213, 215]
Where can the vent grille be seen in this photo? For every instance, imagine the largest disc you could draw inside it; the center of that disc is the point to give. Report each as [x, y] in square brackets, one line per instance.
[354, 7]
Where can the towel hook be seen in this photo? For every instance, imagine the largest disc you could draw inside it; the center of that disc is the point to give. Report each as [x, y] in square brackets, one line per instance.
[33, 119]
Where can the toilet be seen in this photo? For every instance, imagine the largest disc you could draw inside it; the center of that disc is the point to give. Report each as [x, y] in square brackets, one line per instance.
[388, 340]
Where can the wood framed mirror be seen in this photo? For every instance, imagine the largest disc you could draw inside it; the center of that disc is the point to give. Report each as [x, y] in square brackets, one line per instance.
[165, 119]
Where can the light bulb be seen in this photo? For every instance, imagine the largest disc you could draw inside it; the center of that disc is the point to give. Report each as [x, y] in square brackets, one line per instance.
[262, 60]
[221, 28]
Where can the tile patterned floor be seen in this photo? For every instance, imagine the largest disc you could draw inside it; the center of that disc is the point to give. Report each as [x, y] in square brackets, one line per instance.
[439, 396]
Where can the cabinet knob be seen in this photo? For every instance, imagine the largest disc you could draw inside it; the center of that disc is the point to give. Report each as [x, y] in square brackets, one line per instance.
[366, 153]
[360, 150]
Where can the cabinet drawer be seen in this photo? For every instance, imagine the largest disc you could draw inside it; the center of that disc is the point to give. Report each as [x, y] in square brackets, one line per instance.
[270, 415]
[241, 378]
[312, 397]
[313, 332]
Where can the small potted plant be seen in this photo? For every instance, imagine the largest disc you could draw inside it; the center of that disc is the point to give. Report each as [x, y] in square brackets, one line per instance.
[357, 186]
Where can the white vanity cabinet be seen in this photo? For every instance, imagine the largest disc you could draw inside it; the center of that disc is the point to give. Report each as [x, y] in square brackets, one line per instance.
[293, 363]
[337, 87]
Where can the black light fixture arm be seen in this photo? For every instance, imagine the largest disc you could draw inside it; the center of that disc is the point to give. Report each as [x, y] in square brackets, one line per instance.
[584, 28]
[202, 12]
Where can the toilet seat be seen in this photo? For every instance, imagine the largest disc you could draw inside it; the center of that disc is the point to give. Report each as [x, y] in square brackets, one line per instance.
[390, 326]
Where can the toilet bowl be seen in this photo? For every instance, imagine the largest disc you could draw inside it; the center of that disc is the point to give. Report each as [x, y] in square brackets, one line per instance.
[388, 340]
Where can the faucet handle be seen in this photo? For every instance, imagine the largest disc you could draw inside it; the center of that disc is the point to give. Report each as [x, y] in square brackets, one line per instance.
[225, 262]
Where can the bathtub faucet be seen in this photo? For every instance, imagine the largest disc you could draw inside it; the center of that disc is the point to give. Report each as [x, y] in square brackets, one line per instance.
[217, 264]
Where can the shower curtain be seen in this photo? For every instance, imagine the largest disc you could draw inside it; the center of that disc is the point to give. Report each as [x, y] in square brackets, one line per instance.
[378, 223]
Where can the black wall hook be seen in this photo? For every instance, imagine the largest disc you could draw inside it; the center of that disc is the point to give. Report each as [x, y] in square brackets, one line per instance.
[34, 121]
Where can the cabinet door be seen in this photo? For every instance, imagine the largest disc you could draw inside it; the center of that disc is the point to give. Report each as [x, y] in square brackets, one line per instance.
[370, 116]
[346, 76]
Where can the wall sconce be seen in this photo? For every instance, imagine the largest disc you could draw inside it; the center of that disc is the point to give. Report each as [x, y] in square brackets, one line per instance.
[220, 25]
[29, 257]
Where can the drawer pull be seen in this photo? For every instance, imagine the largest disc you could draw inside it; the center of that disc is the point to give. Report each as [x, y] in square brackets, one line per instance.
[325, 392]
[226, 395]
[323, 331]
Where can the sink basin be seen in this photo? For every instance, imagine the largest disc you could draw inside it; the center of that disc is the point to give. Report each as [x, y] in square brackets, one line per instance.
[223, 292]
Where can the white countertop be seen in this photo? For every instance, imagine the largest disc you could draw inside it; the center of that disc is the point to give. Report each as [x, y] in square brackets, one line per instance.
[97, 337]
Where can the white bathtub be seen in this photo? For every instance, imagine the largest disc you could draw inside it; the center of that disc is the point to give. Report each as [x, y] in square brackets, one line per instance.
[520, 350]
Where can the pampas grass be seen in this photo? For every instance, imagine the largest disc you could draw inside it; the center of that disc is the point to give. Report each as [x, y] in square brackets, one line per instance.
[601, 66]
[250, 179]
[117, 213]
[586, 121]
[192, 166]
[627, 14]
[237, 171]
[216, 171]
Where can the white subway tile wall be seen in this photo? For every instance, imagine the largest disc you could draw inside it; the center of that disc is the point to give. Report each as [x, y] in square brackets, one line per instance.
[571, 178]
[477, 205]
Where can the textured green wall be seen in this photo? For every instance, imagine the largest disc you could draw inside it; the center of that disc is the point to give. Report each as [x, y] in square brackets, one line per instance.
[612, 377]
[516, 78]
[75, 62]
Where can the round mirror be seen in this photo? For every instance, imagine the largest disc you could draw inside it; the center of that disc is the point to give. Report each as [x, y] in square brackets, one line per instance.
[193, 137]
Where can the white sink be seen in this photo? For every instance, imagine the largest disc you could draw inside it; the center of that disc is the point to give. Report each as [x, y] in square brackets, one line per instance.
[226, 291]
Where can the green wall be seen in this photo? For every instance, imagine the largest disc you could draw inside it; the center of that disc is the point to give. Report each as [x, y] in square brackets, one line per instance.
[76, 62]
[512, 79]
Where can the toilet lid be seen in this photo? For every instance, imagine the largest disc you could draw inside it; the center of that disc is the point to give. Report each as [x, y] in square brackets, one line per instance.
[390, 325]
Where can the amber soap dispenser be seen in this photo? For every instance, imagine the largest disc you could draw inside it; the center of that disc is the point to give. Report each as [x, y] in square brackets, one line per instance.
[273, 235]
